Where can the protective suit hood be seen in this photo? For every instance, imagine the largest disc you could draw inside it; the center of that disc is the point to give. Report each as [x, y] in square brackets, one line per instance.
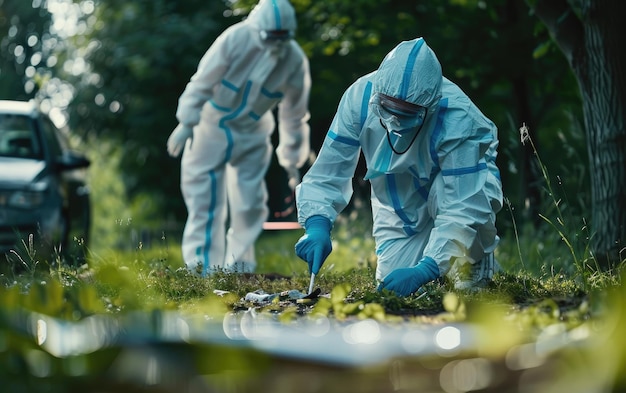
[273, 15]
[417, 68]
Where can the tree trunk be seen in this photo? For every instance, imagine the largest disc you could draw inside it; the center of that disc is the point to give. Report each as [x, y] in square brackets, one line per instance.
[590, 38]
[604, 106]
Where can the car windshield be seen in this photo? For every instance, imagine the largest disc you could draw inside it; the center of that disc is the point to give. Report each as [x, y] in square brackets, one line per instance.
[18, 137]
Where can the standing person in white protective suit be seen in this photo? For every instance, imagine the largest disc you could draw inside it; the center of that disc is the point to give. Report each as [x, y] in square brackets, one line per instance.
[430, 156]
[225, 126]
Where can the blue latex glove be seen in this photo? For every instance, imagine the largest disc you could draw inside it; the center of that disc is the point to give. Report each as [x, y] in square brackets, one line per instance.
[408, 280]
[315, 246]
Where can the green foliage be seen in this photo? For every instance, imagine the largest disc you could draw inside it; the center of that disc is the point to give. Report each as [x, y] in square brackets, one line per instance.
[146, 277]
[108, 196]
[576, 240]
[60, 292]
[25, 47]
[140, 54]
[128, 90]
[122, 99]
[518, 307]
[128, 93]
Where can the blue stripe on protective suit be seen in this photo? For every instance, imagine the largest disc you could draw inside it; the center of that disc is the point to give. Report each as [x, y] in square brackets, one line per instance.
[254, 115]
[417, 183]
[408, 70]
[269, 94]
[392, 190]
[348, 141]
[229, 86]
[220, 108]
[229, 149]
[233, 115]
[364, 104]
[207, 246]
[464, 171]
[277, 15]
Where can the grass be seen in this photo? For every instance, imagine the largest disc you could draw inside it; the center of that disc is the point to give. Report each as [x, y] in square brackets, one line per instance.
[521, 306]
[145, 279]
[549, 283]
[551, 262]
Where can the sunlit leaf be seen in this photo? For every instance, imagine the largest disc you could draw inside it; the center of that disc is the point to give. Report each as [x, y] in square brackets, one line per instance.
[339, 293]
[451, 302]
[542, 49]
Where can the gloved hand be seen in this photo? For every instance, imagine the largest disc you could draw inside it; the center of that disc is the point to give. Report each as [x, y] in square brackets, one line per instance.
[315, 246]
[406, 281]
[293, 174]
[178, 138]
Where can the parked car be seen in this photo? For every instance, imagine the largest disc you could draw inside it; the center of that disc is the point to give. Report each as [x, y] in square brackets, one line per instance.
[43, 192]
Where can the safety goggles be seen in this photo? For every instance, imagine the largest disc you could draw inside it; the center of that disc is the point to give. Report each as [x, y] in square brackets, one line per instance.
[275, 35]
[402, 120]
[403, 109]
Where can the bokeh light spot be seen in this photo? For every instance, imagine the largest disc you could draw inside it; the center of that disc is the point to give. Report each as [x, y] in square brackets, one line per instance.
[448, 338]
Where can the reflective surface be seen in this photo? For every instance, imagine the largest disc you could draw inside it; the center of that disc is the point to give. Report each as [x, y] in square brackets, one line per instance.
[250, 352]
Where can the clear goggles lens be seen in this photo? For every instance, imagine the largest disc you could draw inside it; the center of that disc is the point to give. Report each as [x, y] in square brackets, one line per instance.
[401, 109]
[399, 116]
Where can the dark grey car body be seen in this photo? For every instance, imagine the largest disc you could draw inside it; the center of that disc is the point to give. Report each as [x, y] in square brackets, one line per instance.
[42, 186]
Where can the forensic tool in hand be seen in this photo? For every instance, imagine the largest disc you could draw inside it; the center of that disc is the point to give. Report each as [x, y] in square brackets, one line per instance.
[311, 284]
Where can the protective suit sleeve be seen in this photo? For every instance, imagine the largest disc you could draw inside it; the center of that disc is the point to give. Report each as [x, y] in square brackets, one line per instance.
[326, 188]
[460, 201]
[293, 115]
[209, 73]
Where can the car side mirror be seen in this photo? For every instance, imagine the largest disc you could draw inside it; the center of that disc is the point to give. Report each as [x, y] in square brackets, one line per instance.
[72, 160]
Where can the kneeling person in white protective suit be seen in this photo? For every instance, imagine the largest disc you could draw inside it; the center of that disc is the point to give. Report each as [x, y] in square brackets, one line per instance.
[430, 156]
[225, 126]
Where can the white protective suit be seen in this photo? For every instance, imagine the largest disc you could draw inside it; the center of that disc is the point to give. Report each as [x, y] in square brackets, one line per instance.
[440, 198]
[229, 103]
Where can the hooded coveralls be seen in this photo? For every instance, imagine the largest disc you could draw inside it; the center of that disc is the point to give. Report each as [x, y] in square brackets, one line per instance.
[437, 200]
[229, 103]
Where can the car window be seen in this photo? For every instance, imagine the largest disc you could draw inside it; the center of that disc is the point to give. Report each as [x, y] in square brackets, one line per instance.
[56, 143]
[18, 137]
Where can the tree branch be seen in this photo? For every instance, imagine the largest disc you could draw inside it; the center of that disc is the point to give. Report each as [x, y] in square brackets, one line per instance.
[561, 21]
